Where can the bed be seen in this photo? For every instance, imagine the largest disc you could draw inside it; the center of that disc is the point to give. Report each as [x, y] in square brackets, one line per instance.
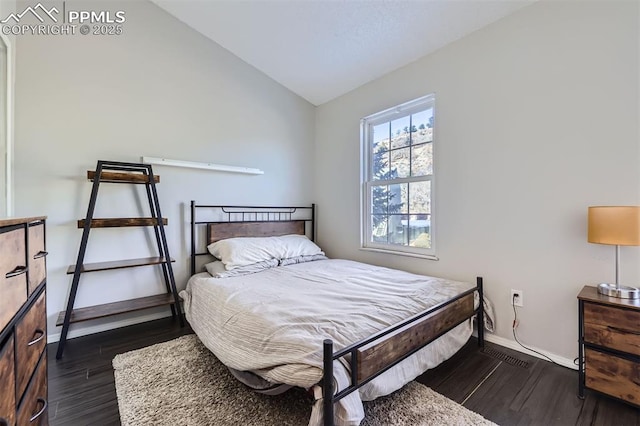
[347, 331]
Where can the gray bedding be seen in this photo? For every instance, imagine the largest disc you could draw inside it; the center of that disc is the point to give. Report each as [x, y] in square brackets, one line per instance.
[272, 323]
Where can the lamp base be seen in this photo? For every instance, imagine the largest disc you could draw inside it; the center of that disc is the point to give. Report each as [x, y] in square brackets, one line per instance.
[624, 292]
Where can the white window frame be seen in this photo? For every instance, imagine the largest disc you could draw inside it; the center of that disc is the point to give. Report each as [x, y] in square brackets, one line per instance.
[366, 151]
[6, 148]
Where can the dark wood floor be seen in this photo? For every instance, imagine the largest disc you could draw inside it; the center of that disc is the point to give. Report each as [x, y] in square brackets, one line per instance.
[81, 384]
[507, 394]
[82, 390]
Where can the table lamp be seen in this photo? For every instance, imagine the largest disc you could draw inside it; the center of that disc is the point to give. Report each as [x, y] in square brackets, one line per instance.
[619, 226]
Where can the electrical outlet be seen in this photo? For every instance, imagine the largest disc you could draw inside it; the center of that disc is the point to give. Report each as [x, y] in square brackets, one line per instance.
[517, 298]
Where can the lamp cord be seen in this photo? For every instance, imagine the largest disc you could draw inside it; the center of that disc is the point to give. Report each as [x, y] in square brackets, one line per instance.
[515, 325]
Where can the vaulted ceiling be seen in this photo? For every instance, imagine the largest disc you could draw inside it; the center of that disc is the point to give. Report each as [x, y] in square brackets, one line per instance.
[321, 49]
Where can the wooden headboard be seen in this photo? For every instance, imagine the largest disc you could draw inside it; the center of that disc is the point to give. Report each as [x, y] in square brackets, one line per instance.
[247, 221]
[217, 231]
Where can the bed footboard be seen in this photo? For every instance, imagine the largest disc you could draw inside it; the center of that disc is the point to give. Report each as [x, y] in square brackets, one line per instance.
[381, 351]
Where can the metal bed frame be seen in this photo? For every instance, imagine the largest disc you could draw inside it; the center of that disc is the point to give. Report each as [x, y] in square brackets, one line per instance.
[402, 330]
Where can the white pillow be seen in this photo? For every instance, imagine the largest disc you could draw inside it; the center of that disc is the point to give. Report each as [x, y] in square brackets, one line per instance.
[217, 270]
[243, 251]
[296, 245]
[302, 259]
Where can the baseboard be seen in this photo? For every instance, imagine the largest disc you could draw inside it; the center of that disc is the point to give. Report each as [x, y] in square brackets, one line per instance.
[512, 344]
[84, 331]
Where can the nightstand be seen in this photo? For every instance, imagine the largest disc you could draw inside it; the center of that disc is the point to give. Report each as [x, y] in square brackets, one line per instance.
[609, 346]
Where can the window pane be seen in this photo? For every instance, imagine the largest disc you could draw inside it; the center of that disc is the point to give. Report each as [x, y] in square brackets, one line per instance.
[396, 230]
[390, 229]
[423, 119]
[420, 219]
[400, 162]
[380, 166]
[422, 124]
[380, 137]
[420, 230]
[422, 160]
[398, 198]
[389, 199]
[379, 228]
[400, 132]
[379, 199]
[420, 197]
[422, 136]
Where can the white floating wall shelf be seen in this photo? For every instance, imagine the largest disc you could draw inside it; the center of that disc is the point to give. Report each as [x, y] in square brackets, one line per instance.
[197, 165]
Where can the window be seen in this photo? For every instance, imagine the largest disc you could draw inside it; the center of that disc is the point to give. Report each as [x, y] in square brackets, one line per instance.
[397, 173]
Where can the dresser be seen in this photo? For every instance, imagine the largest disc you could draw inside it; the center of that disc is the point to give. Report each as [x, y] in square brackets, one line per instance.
[23, 322]
[609, 345]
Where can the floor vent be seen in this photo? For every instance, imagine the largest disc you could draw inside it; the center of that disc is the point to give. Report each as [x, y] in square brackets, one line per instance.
[506, 358]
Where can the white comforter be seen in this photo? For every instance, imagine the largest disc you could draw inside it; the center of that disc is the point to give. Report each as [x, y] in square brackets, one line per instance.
[273, 322]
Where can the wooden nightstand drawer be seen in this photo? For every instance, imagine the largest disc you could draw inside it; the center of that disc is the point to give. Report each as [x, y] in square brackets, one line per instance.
[33, 409]
[31, 339]
[613, 375]
[37, 256]
[7, 381]
[611, 327]
[13, 277]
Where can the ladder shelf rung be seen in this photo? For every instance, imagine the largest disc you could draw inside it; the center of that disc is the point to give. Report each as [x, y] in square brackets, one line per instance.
[122, 177]
[122, 222]
[115, 308]
[118, 264]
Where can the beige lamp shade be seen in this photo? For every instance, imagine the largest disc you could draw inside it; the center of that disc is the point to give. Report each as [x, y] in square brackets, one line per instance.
[618, 225]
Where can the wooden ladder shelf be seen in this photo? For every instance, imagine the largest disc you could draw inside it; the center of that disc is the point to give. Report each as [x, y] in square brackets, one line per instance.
[127, 173]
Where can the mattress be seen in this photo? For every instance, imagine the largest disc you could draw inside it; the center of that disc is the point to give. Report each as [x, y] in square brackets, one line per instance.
[273, 323]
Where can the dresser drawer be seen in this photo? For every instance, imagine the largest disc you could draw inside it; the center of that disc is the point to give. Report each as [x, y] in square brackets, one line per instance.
[13, 277]
[613, 328]
[33, 409]
[37, 256]
[7, 382]
[31, 339]
[613, 375]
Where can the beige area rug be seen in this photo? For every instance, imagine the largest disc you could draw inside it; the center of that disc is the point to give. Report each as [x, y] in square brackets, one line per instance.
[180, 382]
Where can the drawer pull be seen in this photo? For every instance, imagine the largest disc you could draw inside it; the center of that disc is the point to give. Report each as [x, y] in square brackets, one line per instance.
[40, 254]
[17, 271]
[3, 422]
[622, 330]
[39, 413]
[37, 339]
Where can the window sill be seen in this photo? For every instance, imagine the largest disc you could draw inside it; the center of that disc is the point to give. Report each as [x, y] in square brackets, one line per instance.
[401, 253]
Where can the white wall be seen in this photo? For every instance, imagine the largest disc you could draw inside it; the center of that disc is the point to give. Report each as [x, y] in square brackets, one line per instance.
[536, 119]
[163, 90]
